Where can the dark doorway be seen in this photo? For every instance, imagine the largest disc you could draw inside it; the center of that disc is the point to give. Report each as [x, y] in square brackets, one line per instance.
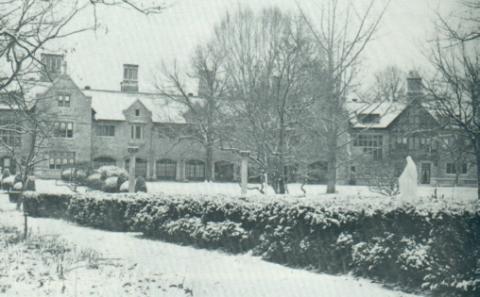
[223, 171]
[426, 171]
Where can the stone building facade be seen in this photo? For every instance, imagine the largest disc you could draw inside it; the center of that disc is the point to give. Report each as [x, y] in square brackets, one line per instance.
[96, 127]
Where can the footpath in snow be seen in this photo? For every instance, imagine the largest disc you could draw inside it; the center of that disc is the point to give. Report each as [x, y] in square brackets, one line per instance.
[207, 273]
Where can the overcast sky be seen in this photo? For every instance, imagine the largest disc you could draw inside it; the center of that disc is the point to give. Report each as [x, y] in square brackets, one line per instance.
[96, 58]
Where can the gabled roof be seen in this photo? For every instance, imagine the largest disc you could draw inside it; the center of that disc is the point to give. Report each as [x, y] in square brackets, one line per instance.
[387, 112]
[110, 106]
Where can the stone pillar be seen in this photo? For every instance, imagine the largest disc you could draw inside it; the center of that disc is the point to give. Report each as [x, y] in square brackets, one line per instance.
[132, 151]
[244, 172]
[154, 169]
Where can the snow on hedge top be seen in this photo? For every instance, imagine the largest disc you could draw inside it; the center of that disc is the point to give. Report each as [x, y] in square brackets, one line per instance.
[332, 204]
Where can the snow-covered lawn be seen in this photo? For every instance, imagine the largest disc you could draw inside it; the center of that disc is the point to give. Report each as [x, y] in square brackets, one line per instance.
[206, 273]
[233, 189]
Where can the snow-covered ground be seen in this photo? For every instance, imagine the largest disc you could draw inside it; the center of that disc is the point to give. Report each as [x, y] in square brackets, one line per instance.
[206, 273]
[233, 189]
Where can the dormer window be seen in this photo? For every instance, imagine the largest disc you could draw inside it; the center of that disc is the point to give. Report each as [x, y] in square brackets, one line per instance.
[371, 118]
[137, 112]
[63, 100]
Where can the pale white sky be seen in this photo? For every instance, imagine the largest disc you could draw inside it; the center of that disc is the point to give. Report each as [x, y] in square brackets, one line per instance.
[96, 58]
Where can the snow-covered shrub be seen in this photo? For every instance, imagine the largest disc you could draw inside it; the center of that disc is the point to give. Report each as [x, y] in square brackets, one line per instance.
[111, 185]
[140, 185]
[18, 186]
[74, 175]
[95, 181]
[124, 187]
[436, 249]
[7, 182]
[110, 170]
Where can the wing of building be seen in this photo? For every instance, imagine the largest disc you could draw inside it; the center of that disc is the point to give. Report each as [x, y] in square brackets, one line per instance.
[96, 127]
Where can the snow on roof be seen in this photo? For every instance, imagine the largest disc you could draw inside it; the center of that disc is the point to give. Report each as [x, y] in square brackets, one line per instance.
[387, 111]
[110, 105]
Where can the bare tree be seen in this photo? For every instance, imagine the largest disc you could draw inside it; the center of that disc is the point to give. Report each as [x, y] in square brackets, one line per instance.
[389, 84]
[204, 112]
[26, 28]
[455, 90]
[267, 73]
[341, 33]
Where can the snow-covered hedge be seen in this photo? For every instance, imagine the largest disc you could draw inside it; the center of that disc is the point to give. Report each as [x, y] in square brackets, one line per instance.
[434, 246]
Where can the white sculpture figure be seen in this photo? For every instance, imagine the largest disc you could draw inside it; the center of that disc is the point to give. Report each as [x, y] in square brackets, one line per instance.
[407, 181]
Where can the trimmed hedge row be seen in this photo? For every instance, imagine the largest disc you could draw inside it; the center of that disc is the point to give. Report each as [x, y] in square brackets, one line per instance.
[436, 251]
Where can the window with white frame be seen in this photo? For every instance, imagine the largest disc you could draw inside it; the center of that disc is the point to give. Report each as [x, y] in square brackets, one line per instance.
[61, 159]
[63, 100]
[63, 129]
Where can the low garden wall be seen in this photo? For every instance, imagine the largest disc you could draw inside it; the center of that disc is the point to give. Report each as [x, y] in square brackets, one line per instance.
[431, 247]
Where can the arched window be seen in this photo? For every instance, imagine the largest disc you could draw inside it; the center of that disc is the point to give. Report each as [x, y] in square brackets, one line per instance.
[104, 161]
[140, 167]
[195, 170]
[166, 169]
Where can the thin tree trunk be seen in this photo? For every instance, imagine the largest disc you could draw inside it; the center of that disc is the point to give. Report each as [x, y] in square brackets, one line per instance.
[477, 156]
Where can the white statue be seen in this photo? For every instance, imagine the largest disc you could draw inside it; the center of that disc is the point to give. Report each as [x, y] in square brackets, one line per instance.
[407, 182]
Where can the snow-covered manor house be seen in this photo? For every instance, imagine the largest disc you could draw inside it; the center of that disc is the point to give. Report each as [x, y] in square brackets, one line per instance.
[96, 127]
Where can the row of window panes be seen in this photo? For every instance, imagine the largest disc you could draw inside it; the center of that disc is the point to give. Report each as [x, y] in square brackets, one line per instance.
[63, 100]
[167, 169]
[105, 130]
[10, 138]
[63, 129]
[58, 160]
[368, 140]
[452, 168]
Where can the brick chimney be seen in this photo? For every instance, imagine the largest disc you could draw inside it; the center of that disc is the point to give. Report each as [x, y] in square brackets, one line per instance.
[53, 65]
[414, 86]
[130, 78]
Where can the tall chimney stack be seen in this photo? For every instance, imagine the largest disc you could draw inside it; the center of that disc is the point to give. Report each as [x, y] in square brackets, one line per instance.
[414, 86]
[130, 78]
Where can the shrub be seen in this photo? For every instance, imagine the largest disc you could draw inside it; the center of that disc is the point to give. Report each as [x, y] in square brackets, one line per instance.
[109, 171]
[124, 186]
[111, 185]
[18, 186]
[7, 183]
[140, 185]
[6, 173]
[435, 249]
[74, 175]
[95, 181]
[30, 184]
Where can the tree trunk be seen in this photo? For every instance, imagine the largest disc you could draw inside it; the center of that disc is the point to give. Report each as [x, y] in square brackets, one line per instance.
[332, 163]
[209, 162]
[477, 156]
